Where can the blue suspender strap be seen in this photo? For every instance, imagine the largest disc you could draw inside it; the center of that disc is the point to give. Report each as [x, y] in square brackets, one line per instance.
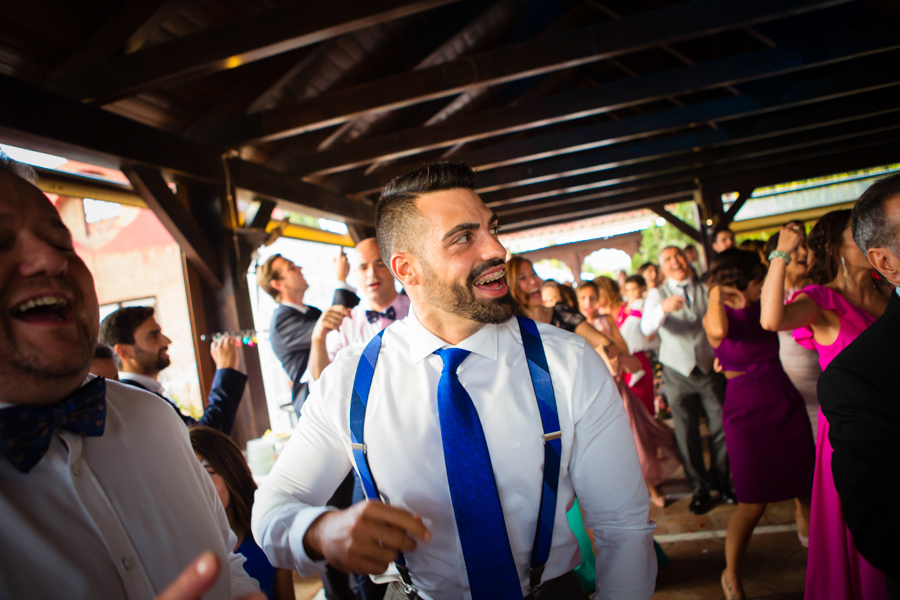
[359, 400]
[543, 389]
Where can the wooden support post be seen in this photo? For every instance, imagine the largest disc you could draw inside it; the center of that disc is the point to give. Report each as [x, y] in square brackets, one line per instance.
[229, 307]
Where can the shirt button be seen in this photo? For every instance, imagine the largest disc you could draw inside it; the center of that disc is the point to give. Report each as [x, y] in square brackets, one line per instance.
[127, 562]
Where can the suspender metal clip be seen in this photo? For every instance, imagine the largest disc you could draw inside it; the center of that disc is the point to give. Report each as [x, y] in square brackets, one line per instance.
[358, 447]
[409, 589]
[535, 579]
[552, 436]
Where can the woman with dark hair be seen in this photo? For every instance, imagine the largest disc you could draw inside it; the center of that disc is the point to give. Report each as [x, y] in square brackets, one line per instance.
[826, 316]
[553, 293]
[801, 364]
[234, 483]
[767, 433]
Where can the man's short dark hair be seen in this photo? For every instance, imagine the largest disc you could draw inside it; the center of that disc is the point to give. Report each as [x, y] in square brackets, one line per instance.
[118, 327]
[637, 279]
[872, 228]
[104, 352]
[397, 220]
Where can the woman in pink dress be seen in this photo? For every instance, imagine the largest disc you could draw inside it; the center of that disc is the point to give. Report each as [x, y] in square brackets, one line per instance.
[826, 317]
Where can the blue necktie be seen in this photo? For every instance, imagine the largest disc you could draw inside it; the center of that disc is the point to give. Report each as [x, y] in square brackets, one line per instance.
[26, 431]
[482, 532]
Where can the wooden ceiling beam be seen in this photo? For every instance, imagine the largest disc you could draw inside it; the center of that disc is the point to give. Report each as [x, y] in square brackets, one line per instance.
[116, 32]
[150, 185]
[276, 30]
[35, 118]
[591, 101]
[563, 50]
[558, 168]
[677, 223]
[691, 166]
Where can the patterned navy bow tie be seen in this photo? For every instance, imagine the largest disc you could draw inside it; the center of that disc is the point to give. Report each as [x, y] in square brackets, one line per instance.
[373, 315]
[26, 431]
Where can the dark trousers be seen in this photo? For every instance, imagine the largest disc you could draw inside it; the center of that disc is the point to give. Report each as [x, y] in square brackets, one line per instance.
[337, 583]
[685, 396]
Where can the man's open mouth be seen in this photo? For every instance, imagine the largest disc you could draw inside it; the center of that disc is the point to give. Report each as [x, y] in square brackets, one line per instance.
[51, 309]
[492, 281]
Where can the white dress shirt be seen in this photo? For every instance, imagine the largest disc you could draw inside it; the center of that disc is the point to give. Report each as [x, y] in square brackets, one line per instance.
[115, 516]
[653, 315]
[631, 331]
[148, 382]
[599, 460]
[301, 307]
[356, 328]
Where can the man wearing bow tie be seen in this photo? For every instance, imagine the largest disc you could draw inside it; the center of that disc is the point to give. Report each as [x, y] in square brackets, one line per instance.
[100, 492]
[382, 305]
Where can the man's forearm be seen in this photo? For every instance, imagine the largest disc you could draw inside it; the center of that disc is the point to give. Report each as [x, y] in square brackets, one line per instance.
[318, 357]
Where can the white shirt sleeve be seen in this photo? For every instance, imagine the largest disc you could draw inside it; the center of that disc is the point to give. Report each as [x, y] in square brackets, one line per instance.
[306, 475]
[653, 315]
[606, 475]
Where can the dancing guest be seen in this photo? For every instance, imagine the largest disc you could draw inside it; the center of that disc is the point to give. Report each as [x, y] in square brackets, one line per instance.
[628, 320]
[454, 436]
[826, 316]
[650, 272]
[655, 442]
[594, 306]
[230, 475]
[859, 397]
[675, 311]
[525, 288]
[769, 440]
[551, 293]
[801, 364]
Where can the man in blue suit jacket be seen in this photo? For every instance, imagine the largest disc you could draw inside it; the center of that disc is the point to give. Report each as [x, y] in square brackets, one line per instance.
[142, 350]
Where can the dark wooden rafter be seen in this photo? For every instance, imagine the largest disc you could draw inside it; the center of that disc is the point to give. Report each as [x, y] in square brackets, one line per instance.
[560, 51]
[276, 30]
[660, 209]
[36, 118]
[125, 27]
[843, 156]
[558, 168]
[592, 101]
[176, 218]
[670, 158]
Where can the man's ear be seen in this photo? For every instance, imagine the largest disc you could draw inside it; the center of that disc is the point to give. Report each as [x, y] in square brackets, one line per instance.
[277, 285]
[124, 352]
[886, 263]
[406, 268]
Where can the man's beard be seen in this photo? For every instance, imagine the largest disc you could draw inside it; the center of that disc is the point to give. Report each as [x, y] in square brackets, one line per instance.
[149, 362]
[458, 299]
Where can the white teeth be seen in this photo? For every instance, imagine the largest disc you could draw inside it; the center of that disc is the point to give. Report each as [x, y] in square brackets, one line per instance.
[43, 301]
[492, 277]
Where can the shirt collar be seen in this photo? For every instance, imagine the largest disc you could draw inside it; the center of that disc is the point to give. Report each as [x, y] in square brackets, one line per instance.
[423, 343]
[678, 284]
[301, 307]
[148, 382]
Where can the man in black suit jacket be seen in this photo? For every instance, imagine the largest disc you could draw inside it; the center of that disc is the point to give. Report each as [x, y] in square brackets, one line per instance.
[860, 396]
[142, 351]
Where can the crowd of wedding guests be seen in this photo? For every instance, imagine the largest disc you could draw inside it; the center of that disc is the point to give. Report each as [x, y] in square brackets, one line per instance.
[752, 346]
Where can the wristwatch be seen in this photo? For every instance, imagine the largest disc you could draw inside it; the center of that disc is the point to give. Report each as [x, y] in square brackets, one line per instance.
[780, 254]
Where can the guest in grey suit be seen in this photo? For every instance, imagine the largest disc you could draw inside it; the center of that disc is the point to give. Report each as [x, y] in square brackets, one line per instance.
[675, 311]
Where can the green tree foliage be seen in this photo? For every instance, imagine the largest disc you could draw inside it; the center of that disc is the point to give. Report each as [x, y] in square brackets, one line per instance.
[654, 239]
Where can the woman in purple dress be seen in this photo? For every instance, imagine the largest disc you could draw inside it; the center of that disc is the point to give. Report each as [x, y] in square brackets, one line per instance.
[767, 433]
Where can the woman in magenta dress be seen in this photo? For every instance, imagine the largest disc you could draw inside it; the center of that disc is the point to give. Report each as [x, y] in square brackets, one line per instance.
[767, 432]
[826, 317]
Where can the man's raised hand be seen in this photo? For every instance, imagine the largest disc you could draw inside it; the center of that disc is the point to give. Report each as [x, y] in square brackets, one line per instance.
[341, 266]
[364, 538]
[330, 320]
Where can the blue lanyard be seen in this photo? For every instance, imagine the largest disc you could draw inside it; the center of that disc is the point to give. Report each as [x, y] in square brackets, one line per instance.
[546, 399]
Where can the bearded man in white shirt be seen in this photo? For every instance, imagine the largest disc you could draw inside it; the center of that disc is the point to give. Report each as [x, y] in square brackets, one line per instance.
[100, 492]
[441, 243]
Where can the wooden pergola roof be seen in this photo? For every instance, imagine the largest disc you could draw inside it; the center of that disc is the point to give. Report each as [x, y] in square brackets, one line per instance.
[567, 108]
